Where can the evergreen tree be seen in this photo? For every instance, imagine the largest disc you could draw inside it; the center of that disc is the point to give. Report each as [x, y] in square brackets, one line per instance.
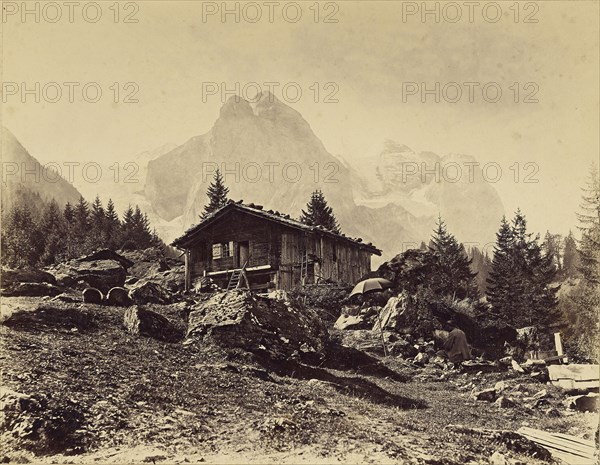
[112, 226]
[452, 274]
[128, 229]
[586, 296]
[520, 287]
[68, 213]
[52, 227]
[501, 276]
[571, 261]
[21, 239]
[553, 246]
[69, 217]
[217, 195]
[318, 213]
[480, 264]
[81, 228]
[589, 225]
[142, 234]
[98, 238]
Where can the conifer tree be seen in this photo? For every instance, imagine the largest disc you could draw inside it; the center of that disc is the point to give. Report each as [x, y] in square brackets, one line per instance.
[553, 247]
[571, 261]
[81, 228]
[318, 213]
[501, 276]
[97, 238]
[68, 213]
[520, 287]
[112, 226]
[589, 225]
[128, 229]
[586, 298]
[52, 227]
[452, 276]
[217, 195]
[480, 264]
[21, 238]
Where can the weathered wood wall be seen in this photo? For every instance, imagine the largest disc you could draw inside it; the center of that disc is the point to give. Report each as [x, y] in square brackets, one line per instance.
[281, 247]
[237, 227]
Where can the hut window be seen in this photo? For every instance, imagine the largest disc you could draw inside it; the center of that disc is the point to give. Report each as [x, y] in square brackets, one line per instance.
[334, 251]
[227, 249]
[222, 250]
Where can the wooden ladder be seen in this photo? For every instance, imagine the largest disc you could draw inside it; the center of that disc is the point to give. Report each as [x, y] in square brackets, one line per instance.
[236, 277]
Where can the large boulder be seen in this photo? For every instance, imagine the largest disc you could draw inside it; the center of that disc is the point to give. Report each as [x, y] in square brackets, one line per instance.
[367, 340]
[102, 274]
[399, 314]
[107, 254]
[350, 322]
[148, 292]
[31, 290]
[583, 403]
[142, 322]
[10, 277]
[278, 326]
[355, 317]
[152, 265]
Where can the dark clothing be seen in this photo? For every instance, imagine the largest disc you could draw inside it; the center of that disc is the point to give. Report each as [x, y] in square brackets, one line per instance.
[456, 346]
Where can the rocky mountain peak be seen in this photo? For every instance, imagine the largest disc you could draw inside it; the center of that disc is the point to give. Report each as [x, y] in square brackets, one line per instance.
[236, 107]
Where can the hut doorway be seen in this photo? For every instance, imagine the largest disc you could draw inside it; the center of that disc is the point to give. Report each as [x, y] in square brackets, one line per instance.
[243, 253]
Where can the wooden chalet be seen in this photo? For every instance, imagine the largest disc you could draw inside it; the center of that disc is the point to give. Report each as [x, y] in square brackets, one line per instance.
[244, 245]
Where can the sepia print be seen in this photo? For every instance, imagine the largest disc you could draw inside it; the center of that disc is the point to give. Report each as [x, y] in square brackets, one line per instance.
[300, 232]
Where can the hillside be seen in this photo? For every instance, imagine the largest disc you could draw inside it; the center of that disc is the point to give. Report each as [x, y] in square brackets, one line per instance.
[106, 395]
[23, 173]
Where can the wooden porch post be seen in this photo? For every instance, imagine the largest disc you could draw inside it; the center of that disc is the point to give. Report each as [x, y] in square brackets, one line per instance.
[188, 274]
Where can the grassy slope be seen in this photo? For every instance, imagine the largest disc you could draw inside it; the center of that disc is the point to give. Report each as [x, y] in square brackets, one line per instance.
[136, 399]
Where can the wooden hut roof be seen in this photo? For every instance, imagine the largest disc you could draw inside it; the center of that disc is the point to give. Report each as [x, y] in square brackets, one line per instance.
[270, 215]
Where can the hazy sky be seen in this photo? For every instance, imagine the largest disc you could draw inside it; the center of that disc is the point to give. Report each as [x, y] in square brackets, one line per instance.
[370, 57]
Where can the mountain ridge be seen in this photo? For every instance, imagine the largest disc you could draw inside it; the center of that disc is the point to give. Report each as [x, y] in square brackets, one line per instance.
[386, 207]
[22, 171]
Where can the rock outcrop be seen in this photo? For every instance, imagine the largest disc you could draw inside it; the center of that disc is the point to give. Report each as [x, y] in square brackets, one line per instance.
[142, 322]
[31, 290]
[148, 292]
[29, 282]
[399, 314]
[276, 326]
[100, 273]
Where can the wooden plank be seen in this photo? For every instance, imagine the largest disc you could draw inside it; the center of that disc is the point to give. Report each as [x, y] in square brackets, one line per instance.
[551, 444]
[558, 344]
[578, 372]
[571, 384]
[591, 444]
[570, 459]
[564, 442]
[570, 449]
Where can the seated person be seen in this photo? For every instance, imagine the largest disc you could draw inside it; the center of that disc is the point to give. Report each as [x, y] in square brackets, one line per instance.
[456, 346]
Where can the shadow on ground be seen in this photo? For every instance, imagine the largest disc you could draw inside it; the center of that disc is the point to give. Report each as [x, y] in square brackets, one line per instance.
[355, 386]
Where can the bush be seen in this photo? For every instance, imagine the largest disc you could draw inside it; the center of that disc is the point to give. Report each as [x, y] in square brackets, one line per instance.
[326, 299]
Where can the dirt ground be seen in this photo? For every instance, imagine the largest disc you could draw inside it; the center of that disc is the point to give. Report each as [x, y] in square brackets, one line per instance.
[103, 395]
